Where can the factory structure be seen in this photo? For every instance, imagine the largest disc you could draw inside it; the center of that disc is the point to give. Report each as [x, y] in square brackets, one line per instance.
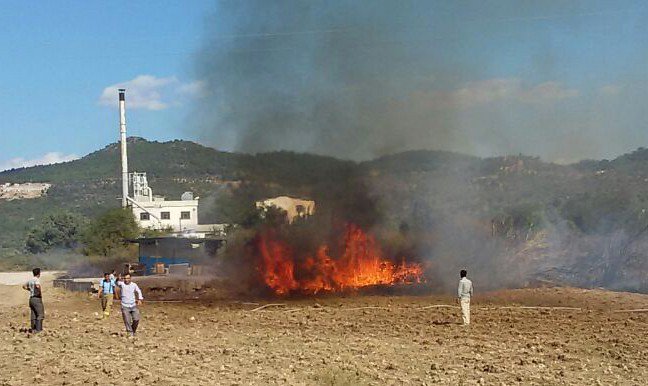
[186, 244]
[157, 213]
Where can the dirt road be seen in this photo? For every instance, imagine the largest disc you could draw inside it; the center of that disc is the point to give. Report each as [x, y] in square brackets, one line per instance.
[372, 340]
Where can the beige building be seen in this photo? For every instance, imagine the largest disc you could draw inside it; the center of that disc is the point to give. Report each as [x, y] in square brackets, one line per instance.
[294, 207]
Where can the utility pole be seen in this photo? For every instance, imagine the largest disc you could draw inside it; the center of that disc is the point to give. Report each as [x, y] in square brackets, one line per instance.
[124, 153]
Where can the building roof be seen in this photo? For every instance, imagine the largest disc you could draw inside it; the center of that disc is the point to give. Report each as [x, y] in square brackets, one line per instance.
[193, 240]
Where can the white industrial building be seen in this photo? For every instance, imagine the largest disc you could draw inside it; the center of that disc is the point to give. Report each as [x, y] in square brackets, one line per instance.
[155, 212]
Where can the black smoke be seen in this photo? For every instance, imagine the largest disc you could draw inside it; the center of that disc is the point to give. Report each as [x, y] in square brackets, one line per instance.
[330, 77]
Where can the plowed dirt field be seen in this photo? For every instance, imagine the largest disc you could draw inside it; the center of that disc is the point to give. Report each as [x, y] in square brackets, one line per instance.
[349, 340]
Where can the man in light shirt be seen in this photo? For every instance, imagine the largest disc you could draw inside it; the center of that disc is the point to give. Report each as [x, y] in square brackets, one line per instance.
[131, 297]
[35, 301]
[465, 292]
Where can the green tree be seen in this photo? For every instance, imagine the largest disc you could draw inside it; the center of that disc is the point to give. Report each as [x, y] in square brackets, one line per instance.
[57, 230]
[108, 233]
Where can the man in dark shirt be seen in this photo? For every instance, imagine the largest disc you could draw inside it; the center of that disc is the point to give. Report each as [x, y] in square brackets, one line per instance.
[35, 301]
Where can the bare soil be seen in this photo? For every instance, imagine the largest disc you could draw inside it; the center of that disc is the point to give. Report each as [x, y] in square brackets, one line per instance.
[349, 340]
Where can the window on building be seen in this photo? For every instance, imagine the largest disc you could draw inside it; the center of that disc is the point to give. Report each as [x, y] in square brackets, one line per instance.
[165, 215]
[185, 215]
[145, 216]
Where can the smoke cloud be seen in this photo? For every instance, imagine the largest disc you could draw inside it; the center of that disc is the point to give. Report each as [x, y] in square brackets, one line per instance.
[359, 79]
[365, 78]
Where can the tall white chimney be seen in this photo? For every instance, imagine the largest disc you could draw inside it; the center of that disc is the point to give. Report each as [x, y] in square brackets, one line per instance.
[124, 154]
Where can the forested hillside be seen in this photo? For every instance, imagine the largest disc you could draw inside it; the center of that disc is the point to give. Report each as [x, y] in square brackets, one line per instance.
[525, 219]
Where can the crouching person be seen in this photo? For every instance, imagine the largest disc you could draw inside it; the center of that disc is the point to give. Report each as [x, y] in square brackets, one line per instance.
[131, 297]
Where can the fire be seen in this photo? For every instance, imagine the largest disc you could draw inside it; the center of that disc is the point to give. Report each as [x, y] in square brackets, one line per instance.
[360, 264]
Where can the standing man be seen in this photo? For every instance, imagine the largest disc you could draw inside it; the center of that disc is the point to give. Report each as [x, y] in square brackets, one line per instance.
[106, 294]
[131, 297]
[465, 292]
[35, 301]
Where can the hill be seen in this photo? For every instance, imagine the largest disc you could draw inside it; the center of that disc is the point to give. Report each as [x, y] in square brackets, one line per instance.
[91, 185]
[517, 219]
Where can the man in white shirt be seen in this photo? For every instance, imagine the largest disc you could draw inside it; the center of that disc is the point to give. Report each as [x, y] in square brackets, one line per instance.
[131, 297]
[465, 292]
[35, 301]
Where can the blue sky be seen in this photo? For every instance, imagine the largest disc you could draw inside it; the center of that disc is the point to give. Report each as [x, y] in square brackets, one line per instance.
[561, 79]
[59, 56]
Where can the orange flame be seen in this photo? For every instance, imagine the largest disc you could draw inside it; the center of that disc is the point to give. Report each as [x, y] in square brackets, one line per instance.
[361, 264]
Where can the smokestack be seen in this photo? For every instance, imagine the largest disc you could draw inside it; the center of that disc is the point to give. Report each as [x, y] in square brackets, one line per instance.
[124, 155]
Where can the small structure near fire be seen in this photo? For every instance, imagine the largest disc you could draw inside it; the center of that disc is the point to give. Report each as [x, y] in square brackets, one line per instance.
[9, 191]
[164, 255]
[294, 207]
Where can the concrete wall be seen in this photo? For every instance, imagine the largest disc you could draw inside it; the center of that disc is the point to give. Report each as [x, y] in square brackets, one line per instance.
[73, 285]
